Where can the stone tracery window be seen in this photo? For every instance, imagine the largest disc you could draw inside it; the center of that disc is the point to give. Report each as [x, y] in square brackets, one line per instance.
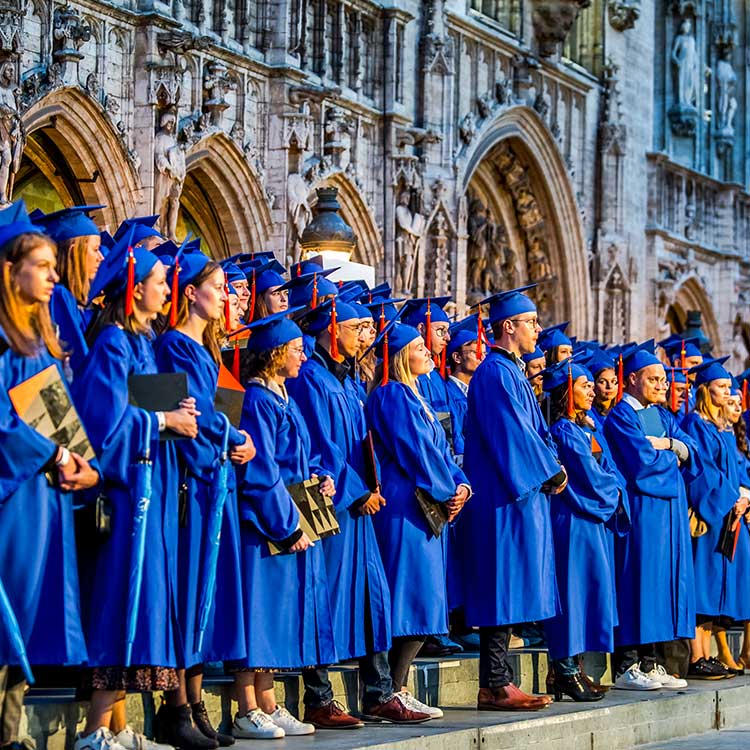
[506, 13]
[584, 45]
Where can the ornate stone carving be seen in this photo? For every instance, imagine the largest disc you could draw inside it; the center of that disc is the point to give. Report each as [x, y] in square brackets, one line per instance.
[11, 27]
[492, 264]
[169, 177]
[69, 33]
[165, 74]
[93, 89]
[337, 137]
[623, 14]
[298, 208]
[217, 83]
[683, 115]
[726, 83]
[485, 105]
[553, 20]
[410, 225]
[437, 45]
[467, 129]
[537, 260]
[12, 133]
[298, 128]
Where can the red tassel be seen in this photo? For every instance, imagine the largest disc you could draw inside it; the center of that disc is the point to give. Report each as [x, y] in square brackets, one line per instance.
[673, 395]
[620, 379]
[571, 405]
[314, 300]
[442, 364]
[341, 283]
[428, 327]
[480, 331]
[130, 283]
[682, 355]
[687, 396]
[251, 314]
[744, 395]
[227, 309]
[381, 323]
[384, 381]
[236, 360]
[299, 269]
[334, 331]
[175, 294]
[370, 296]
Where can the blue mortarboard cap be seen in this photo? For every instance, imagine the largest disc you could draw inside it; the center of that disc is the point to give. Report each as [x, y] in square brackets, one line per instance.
[142, 226]
[233, 271]
[504, 305]
[108, 242]
[554, 336]
[736, 388]
[68, 222]
[272, 332]
[381, 291]
[676, 375]
[674, 349]
[743, 376]
[353, 291]
[414, 311]
[262, 257]
[320, 318]
[309, 267]
[710, 369]
[191, 266]
[557, 374]
[462, 332]
[112, 276]
[362, 312]
[397, 334]
[639, 357]
[301, 289]
[270, 264]
[386, 306]
[15, 221]
[599, 361]
[531, 356]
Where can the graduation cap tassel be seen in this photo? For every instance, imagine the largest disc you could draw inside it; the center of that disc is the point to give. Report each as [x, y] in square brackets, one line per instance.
[428, 328]
[683, 355]
[672, 395]
[314, 300]
[744, 395]
[236, 360]
[334, 331]
[687, 396]
[386, 364]
[129, 289]
[227, 309]
[175, 295]
[299, 269]
[381, 323]
[571, 405]
[442, 364]
[480, 331]
[251, 314]
[620, 378]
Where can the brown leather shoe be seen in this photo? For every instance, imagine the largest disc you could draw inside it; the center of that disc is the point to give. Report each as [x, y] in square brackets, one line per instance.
[331, 716]
[393, 712]
[594, 687]
[510, 698]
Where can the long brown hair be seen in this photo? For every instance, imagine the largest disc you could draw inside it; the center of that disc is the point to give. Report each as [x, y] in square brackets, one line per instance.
[558, 401]
[740, 434]
[71, 267]
[214, 328]
[705, 408]
[26, 328]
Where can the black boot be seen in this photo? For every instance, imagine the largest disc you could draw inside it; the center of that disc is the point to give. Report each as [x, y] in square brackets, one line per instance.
[203, 725]
[173, 725]
[575, 687]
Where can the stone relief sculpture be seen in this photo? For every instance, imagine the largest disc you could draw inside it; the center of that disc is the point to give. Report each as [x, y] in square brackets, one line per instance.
[298, 206]
[409, 231]
[169, 178]
[12, 136]
[685, 60]
[540, 269]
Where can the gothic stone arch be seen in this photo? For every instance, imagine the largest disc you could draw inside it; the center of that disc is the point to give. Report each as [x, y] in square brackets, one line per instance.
[690, 294]
[523, 220]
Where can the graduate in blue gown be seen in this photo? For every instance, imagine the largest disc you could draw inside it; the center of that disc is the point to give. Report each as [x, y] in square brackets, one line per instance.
[191, 346]
[555, 344]
[414, 454]
[535, 363]
[301, 635]
[655, 585]
[121, 347]
[78, 259]
[602, 366]
[331, 405]
[684, 353]
[505, 532]
[721, 590]
[38, 568]
[585, 515]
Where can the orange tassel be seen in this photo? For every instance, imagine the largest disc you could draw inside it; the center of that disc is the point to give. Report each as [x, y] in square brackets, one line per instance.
[442, 365]
[299, 269]
[744, 395]
[381, 323]
[251, 314]
[480, 332]
[428, 328]
[370, 296]
[682, 355]
[236, 360]
[227, 309]
[571, 405]
[130, 283]
[687, 397]
[673, 395]
[620, 379]
[384, 381]
[314, 300]
[175, 294]
[334, 331]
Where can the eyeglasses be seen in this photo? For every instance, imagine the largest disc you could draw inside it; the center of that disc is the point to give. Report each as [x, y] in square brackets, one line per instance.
[298, 350]
[441, 332]
[533, 322]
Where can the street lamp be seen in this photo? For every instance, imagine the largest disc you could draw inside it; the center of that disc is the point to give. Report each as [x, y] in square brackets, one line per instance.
[328, 235]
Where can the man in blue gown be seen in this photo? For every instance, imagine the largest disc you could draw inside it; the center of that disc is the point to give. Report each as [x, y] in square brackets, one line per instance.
[505, 533]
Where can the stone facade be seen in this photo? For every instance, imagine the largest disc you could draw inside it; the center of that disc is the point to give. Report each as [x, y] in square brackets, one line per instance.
[595, 147]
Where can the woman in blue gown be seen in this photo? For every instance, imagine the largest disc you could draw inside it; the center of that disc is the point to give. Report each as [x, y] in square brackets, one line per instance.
[37, 547]
[301, 634]
[122, 435]
[414, 455]
[192, 347]
[714, 495]
[584, 517]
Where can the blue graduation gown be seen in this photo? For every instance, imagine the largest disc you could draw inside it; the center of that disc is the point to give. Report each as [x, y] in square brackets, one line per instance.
[71, 322]
[582, 516]
[719, 584]
[434, 389]
[224, 638]
[655, 586]
[299, 633]
[333, 413]
[117, 431]
[37, 543]
[505, 532]
[413, 452]
[458, 403]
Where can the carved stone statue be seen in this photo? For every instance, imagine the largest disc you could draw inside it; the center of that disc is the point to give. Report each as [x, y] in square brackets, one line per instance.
[409, 230]
[726, 82]
[477, 226]
[12, 135]
[540, 269]
[169, 178]
[299, 209]
[685, 59]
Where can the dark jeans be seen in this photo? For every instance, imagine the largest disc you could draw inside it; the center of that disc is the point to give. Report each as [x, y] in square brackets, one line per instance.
[566, 667]
[494, 670]
[402, 654]
[12, 686]
[625, 657]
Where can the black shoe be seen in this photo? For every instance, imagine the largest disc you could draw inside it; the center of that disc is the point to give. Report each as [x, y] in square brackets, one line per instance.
[726, 672]
[203, 725]
[173, 725]
[574, 687]
[703, 670]
[439, 645]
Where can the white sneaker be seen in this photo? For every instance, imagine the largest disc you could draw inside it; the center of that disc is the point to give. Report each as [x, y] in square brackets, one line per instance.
[291, 726]
[634, 679]
[255, 725]
[410, 702]
[660, 675]
[131, 740]
[101, 739]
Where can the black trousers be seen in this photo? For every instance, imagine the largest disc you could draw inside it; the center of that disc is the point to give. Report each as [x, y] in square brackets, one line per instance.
[625, 657]
[402, 654]
[494, 670]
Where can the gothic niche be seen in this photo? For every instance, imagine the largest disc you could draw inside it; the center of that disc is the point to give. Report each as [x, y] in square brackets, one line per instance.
[410, 226]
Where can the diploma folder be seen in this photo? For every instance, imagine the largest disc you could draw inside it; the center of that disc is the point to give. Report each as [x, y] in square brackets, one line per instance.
[651, 421]
[229, 396]
[44, 403]
[435, 513]
[730, 534]
[317, 517]
[162, 392]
